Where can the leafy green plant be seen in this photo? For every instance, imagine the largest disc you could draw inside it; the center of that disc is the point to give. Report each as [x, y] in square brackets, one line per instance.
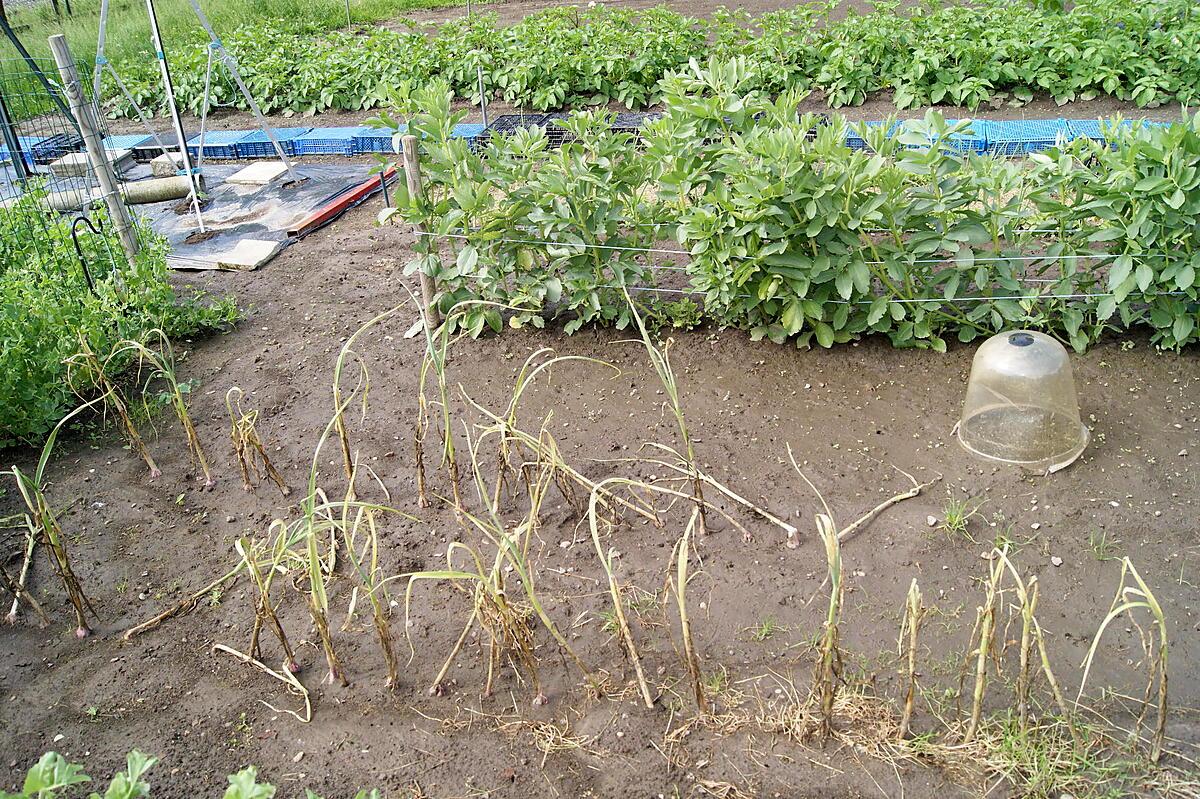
[53, 776]
[46, 308]
[791, 235]
[988, 52]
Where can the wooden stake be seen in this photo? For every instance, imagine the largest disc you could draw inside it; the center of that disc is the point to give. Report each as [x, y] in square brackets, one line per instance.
[102, 168]
[412, 174]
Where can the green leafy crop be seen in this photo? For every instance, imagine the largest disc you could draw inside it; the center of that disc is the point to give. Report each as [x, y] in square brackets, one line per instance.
[55, 777]
[785, 232]
[970, 54]
[46, 306]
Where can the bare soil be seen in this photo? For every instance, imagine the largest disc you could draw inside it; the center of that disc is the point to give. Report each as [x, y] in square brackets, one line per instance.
[853, 416]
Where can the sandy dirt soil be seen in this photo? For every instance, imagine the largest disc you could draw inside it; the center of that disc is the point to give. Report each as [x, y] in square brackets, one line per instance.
[854, 416]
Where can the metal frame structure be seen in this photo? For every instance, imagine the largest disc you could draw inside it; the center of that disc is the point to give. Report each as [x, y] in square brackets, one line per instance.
[216, 54]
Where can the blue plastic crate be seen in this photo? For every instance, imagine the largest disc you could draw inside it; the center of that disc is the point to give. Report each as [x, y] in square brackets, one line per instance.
[27, 143]
[973, 142]
[1093, 128]
[374, 140]
[325, 141]
[126, 141]
[467, 131]
[856, 142]
[257, 144]
[1021, 137]
[217, 143]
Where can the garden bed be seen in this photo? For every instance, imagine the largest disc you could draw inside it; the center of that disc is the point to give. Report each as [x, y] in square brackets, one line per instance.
[852, 415]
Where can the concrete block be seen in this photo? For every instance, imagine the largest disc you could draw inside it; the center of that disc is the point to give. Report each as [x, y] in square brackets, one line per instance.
[167, 165]
[247, 255]
[75, 165]
[260, 173]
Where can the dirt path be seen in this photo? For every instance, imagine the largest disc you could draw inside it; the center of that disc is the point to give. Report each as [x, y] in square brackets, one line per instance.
[853, 415]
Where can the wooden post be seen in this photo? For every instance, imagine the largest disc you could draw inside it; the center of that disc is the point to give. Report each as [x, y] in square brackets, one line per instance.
[412, 174]
[102, 168]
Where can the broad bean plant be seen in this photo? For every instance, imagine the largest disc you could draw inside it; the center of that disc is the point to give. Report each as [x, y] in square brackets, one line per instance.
[764, 220]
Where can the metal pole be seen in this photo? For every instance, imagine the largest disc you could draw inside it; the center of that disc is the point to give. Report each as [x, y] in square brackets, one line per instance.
[102, 63]
[482, 97]
[412, 174]
[231, 64]
[37, 72]
[12, 142]
[88, 127]
[169, 93]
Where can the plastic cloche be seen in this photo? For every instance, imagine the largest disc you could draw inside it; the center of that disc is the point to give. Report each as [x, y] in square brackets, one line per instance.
[1021, 406]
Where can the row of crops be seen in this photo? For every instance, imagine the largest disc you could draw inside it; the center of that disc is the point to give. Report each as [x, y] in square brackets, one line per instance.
[987, 51]
[739, 213]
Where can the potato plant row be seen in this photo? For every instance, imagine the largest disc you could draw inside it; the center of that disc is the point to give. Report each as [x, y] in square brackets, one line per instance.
[991, 51]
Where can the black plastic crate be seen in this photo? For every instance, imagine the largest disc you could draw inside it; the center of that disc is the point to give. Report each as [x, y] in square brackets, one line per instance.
[509, 123]
[148, 150]
[555, 133]
[55, 147]
[632, 121]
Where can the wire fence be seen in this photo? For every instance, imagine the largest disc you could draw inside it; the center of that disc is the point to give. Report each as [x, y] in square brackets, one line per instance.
[46, 182]
[1033, 295]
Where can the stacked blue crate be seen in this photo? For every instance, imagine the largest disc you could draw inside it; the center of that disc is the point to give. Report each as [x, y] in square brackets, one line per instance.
[125, 141]
[325, 141]
[257, 144]
[855, 141]
[972, 140]
[1020, 137]
[1094, 128]
[217, 143]
[27, 143]
[470, 130]
[373, 140]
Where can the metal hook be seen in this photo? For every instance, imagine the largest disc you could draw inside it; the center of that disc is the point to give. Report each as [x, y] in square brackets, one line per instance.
[87, 275]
